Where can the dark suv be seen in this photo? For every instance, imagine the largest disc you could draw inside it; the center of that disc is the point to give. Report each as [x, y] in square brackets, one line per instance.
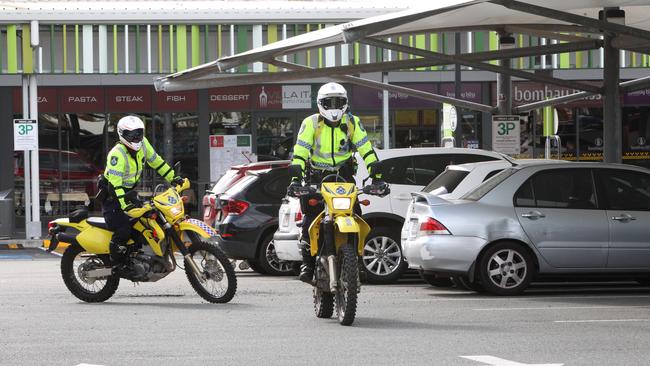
[250, 217]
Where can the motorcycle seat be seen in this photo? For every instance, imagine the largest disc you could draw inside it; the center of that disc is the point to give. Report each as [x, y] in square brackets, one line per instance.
[97, 222]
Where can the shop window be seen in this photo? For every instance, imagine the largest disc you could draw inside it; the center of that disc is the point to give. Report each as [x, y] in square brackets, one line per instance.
[636, 136]
[590, 132]
[374, 128]
[406, 119]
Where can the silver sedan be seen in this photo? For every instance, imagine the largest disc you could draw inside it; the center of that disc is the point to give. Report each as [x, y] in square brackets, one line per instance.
[533, 220]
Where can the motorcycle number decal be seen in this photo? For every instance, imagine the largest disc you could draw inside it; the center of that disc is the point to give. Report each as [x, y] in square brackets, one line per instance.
[171, 200]
[340, 190]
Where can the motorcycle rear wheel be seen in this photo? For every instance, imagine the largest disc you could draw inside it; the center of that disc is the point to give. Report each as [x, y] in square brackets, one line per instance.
[221, 283]
[73, 265]
[348, 285]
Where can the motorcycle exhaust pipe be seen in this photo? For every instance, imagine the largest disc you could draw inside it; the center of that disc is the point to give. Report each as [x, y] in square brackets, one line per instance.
[332, 272]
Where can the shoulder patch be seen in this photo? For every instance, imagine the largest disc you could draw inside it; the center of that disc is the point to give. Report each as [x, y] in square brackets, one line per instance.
[113, 160]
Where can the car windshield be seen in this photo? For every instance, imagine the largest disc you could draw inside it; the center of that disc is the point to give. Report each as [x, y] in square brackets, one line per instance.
[449, 179]
[488, 185]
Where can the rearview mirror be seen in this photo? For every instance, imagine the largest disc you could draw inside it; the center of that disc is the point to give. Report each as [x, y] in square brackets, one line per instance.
[177, 168]
[378, 168]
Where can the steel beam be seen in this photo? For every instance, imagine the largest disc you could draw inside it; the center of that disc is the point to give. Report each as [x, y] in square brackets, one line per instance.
[637, 84]
[212, 67]
[552, 34]
[394, 88]
[594, 24]
[481, 65]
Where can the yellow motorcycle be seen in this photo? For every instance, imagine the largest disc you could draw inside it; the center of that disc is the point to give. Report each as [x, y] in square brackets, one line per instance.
[160, 229]
[337, 236]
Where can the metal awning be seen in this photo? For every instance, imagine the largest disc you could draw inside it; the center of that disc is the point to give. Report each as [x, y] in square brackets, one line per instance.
[547, 18]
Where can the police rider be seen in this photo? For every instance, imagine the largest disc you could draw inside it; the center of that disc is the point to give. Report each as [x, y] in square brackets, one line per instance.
[327, 142]
[124, 166]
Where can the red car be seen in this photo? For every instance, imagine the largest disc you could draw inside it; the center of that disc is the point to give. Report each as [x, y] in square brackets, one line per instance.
[212, 212]
[76, 173]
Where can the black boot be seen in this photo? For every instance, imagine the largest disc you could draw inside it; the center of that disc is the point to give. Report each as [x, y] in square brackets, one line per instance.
[307, 267]
[117, 253]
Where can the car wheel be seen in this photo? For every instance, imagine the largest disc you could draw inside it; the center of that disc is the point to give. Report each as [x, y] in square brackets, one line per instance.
[505, 269]
[435, 281]
[382, 256]
[268, 259]
[463, 283]
[255, 266]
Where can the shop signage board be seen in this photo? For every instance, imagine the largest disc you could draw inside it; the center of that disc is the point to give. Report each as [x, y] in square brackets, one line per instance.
[296, 96]
[180, 101]
[82, 99]
[267, 97]
[506, 134]
[229, 150]
[237, 98]
[128, 99]
[364, 98]
[25, 134]
[47, 99]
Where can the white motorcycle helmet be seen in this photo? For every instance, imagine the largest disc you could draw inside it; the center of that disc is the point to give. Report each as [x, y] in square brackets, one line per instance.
[130, 129]
[332, 101]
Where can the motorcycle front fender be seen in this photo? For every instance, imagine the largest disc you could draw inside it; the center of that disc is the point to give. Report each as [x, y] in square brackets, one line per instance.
[197, 226]
[352, 224]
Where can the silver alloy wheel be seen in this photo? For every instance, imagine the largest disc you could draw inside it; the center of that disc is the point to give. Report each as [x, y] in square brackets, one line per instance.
[507, 269]
[275, 262]
[382, 255]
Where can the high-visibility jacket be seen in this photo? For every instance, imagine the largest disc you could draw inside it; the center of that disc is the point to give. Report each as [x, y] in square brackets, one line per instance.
[123, 171]
[329, 148]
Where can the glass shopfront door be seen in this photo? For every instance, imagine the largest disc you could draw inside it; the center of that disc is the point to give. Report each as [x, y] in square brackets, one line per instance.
[274, 134]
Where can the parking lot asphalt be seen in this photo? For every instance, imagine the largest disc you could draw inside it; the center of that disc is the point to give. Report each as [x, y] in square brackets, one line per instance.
[271, 321]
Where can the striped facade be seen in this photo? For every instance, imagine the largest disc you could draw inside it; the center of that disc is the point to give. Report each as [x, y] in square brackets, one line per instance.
[167, 48]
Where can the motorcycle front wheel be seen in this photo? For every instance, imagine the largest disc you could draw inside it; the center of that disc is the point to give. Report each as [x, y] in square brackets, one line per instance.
[323, 301]
[75, 265]
[348, 285]
[220, 283]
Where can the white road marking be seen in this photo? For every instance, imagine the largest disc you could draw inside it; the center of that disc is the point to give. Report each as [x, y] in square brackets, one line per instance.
[601, 321]
[88, 364]
[496, 361]
[563, 308]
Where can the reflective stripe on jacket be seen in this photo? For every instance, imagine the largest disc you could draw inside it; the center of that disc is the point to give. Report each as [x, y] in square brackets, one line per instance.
[329, 147]
[123, 171]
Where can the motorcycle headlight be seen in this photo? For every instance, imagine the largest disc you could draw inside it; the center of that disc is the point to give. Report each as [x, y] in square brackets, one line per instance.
[341, 203]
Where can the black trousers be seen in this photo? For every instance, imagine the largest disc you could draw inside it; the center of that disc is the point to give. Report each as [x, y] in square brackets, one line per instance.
[117, 221]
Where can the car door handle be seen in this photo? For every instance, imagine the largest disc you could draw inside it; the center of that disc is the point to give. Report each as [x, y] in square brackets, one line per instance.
[403, 197]
[533, 215]
[624, 217]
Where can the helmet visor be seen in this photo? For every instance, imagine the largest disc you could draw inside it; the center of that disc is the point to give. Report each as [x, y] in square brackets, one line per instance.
[133, 136]
[333, 102]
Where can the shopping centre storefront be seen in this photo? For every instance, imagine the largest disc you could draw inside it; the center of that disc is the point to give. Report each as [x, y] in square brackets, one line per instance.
[77, 127]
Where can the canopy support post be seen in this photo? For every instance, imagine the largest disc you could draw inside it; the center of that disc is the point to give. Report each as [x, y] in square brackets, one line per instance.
[612, 121]
[504, 80]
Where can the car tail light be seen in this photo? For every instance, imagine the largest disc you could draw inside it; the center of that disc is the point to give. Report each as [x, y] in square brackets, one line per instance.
[235, 207]
[298, 218]
[432, 227]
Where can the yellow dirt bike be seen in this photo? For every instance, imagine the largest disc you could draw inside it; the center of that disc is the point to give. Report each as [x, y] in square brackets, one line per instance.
[160, 229]
[337, 236]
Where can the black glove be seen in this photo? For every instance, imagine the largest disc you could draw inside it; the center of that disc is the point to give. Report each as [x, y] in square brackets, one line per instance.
[380, 188]
[177, 181]
[293, 188]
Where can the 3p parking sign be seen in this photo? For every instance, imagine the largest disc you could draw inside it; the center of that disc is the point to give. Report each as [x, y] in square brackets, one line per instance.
[25, 134]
